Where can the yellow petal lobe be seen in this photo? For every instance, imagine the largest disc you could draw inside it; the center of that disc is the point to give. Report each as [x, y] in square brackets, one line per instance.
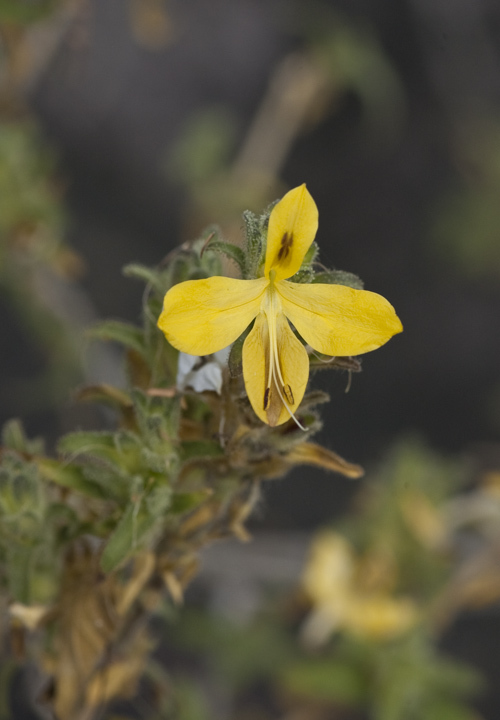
[255, 357]
[274, 393]
[293, 224]
[201, 317]
[294, 366]
[338, 320]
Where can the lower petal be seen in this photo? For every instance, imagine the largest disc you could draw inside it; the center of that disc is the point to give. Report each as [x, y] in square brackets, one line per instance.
[201, 317]
[294, 365]
[274, 402]
[255, 365]
[338, 320]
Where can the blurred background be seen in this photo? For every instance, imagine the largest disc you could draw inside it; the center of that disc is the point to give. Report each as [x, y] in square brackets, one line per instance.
[127, 126]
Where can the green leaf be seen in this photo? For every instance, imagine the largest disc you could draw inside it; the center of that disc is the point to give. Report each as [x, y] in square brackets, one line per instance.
[158, 419]
[203, 147]
[325, 680]
[121, 543]
[156, 462]
[306, 273]
[114, 483]
[105, 394]
[88, 442]
[253, 229]
[304, 276]
[64, 520]
[131, 532]
[18, 571]
[192, 449]
[184, 502]
[158, 500]
[235, 359]
[21, 493]
[24, 11]
[150, 276]
[339, 277]
[449, 710]
[14, 438]
[256, 233]
[311, 254]
[121, 449]
[240, 654]
[233, 252]
[317, 361]
[69, 476]
[191, 701]
[121, 332]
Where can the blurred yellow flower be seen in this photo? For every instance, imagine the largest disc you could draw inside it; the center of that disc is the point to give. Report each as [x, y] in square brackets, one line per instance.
[423, 519]
[340, 602]
[201, 317]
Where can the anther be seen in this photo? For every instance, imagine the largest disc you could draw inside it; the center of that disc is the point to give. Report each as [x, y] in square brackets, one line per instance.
[287, 390]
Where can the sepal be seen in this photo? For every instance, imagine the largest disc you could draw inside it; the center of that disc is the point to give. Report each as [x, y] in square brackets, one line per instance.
[339, 277]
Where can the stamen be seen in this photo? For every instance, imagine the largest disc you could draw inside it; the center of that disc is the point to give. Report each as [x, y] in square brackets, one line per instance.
[288, 409]
[275, 374]
[288, 393]
[266, 397]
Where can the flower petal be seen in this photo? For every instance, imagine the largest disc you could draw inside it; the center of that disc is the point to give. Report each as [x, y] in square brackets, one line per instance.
[202, 316]
[293, 224]
[294, 365]
[255, 365]
[290, 379]
[338, 320]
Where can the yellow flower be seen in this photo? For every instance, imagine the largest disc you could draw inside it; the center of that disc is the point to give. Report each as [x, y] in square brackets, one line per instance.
[201, 317]
[339, 602]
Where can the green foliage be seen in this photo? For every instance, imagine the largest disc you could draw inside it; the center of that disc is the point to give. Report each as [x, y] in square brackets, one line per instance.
[204, 147]
[136, 469]
[71, 477]
[235, 360]
[180, 469]
[405, 679]
[25, 11]
[190, 701]
[33, 257]
[306, 273]
[256, 241]
[27, 540]
[356, 62]
[14, 438]
[401, 679]
[29, 206]
[330, 680]
[339, 277]
[252, 262]
[466, 228]
[395, 677]
[412, 681]
[127, 476]
[120, 332]
[134, 529]
[233, 252]
[240, 654]
[412, 485]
